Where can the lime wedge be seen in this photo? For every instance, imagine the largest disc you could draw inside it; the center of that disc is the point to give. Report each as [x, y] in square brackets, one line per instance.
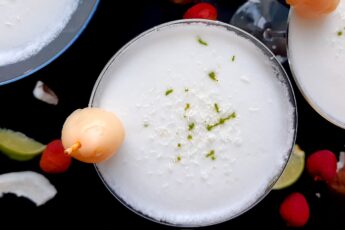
[293, 169]
[18, 146]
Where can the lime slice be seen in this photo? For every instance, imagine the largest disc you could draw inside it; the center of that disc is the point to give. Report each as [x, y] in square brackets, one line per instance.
[293, 169]
[19, 147]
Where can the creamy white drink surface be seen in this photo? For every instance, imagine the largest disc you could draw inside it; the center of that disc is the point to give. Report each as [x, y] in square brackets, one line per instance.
[26, 26]
[208, 124]
[317, 56]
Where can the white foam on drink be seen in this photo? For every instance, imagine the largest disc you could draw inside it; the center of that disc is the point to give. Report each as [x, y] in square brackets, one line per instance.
[317, 57]
[26, 26]
[181, 185]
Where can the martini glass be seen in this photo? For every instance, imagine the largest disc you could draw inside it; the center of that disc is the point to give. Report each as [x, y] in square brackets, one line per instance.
[267, 21]
[78, 22]
[104, 91]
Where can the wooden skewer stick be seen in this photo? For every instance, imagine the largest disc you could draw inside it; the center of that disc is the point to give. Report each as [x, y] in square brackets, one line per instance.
[73, 148]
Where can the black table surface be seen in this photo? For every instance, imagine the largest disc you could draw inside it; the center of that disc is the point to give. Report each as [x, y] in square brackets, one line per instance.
[82, 200]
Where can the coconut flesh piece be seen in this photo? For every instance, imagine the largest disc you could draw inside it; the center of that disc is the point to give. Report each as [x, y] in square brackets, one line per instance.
[44, 93]
[28, 184]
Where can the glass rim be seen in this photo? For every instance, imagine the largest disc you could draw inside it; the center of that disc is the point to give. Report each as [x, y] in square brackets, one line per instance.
[270, 56]
[307, 97]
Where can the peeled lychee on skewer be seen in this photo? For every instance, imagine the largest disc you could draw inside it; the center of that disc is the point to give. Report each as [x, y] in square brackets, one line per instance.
[313, 8]
[92, 135]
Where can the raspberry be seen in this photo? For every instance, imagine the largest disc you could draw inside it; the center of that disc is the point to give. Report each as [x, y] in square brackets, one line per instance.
[295, 210]
[53, 159]
[322, 165]
[201, 10]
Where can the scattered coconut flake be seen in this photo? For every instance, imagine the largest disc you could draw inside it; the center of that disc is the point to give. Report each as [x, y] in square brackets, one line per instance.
[341, 161]
[31, 185]
[318, 195]
[44, 93]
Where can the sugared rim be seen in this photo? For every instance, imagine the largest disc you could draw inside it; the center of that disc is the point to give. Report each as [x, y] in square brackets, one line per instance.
[32, 69]
[311, 102]
[267, 53]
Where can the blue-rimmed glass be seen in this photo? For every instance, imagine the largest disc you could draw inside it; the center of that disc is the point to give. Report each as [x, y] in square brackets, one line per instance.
[73, 29]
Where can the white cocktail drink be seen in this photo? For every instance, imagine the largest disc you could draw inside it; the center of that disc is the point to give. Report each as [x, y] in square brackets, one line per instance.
[209, 123]
[317, 57]
[26, 26]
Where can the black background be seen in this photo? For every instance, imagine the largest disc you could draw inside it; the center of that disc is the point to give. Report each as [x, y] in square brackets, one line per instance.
[82, 200]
